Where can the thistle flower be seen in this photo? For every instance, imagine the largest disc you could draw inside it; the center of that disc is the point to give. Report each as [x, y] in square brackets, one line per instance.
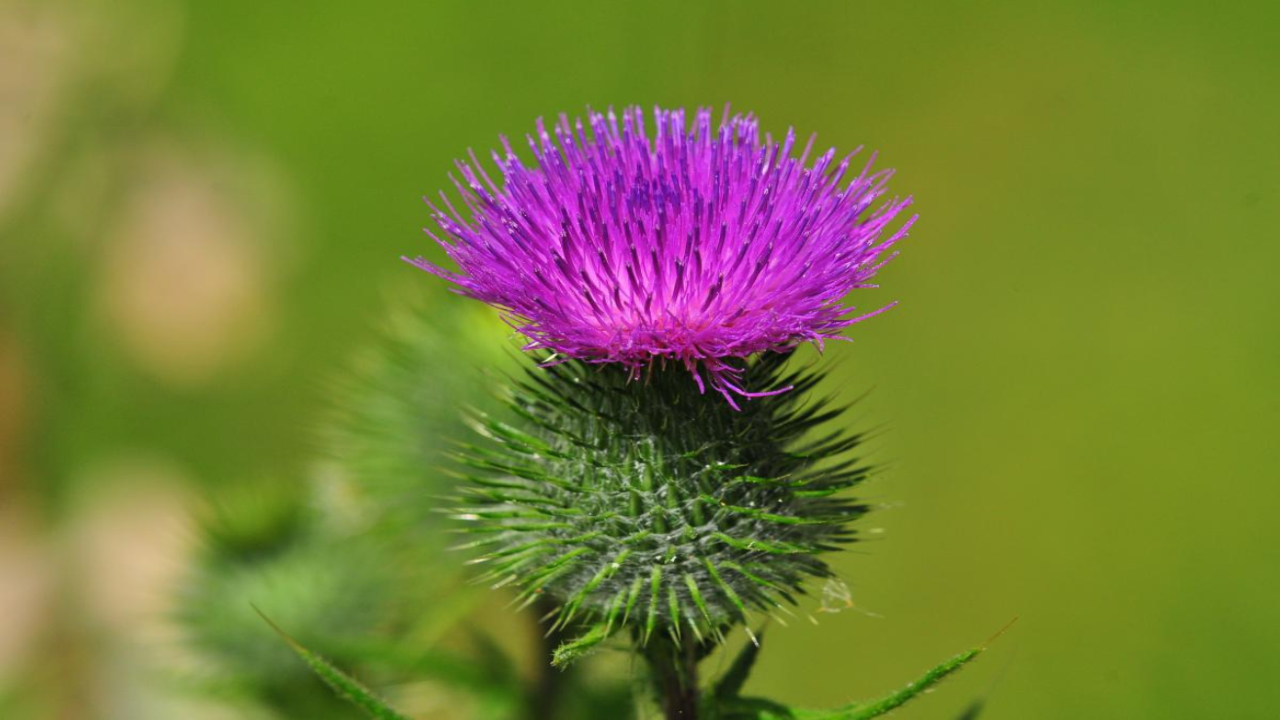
[702, 252]
[700, 246]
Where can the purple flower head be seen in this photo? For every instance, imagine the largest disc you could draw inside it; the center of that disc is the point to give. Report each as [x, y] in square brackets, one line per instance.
[699, 245]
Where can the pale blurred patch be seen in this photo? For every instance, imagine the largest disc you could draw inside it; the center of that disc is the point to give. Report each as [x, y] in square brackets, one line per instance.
[25, 594]
[189, 272]
[124, 556]
[130, 540]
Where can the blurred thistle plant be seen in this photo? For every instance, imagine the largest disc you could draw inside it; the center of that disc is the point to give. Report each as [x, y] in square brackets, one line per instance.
[352, 560]
[265, 543]
[394, 418]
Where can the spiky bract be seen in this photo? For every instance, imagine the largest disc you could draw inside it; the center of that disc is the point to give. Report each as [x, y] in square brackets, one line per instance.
[643, 504]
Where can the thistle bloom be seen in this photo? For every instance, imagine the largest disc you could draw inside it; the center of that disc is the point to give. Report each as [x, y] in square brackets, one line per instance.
[701, 245]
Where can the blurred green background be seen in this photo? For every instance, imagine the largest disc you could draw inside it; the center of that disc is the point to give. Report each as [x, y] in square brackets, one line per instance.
[202, 205]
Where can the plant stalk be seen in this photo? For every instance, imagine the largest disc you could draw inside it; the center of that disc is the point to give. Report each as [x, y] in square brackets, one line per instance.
[675, 677]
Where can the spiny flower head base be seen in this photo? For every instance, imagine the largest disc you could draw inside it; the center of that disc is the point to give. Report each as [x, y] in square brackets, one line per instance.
[700, 245]
[650, 508]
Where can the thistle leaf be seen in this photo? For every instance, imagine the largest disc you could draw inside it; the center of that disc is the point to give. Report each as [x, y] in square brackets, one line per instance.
[730, 707]
[757, 709]
[901, 697]
[343, 684]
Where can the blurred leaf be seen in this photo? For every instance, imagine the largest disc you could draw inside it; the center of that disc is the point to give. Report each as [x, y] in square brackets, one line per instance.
[730, 686]
[346, 686]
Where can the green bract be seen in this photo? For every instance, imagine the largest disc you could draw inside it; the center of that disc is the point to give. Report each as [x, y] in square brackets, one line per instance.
[643, 504]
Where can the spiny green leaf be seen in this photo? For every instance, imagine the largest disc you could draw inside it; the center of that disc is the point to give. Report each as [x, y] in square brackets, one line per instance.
[730, 707]
[931, 678]
[901, 697]
[576, 648]
[756, 709]
[346, 686]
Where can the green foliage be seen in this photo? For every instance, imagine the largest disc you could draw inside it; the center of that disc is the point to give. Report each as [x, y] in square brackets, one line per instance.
[353, 561]
[267, 544]
[641, 503]
[302, 551]
[253, 521]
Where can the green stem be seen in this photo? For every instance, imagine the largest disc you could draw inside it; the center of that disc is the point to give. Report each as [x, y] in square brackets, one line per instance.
[675, 677]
